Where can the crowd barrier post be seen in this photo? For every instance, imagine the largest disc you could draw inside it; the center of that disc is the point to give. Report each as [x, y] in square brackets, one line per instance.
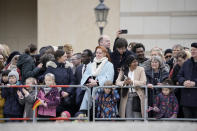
[146, 104]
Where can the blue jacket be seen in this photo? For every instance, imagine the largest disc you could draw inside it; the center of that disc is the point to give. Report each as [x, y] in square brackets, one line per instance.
[106, 74]
[12, 105]
[189, 95]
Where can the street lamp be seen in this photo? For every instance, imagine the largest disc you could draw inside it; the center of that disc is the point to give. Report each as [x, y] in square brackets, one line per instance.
[101, 12]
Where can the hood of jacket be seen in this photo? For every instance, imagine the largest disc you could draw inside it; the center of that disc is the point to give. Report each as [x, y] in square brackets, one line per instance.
[23, 59]
[55, 64]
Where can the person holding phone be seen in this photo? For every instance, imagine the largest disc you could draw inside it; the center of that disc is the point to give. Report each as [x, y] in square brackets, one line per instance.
[119, 55]
[132, 99]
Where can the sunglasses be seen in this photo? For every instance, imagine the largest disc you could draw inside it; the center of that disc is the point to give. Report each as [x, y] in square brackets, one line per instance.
[168, 56]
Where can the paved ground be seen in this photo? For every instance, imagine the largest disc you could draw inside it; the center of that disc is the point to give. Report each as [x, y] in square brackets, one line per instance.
[102, 126]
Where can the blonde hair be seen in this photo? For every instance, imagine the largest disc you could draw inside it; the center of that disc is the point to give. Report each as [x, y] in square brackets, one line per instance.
[159, 52]
[5, 51]
[33, 80]
[108, 83]
[68, 47]
[50, 75]
[188, 54]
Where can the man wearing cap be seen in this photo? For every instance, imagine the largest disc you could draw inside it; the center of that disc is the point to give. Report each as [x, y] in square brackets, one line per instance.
[188, 77]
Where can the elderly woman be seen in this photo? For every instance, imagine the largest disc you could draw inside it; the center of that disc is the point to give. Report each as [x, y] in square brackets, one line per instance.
[132, 99]
[156, 52]
[97, 73]
[155, 75]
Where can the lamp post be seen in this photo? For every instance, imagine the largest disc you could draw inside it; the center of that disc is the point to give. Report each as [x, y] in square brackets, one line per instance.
[101, 12]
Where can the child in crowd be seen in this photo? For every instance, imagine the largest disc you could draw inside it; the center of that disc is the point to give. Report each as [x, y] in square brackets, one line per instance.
[2, 102]
[27, 97]
[64, 114]
[80, 115]
[106, 102]
[49, 97]
[4, 77]
[4, 81]
[12, 108]
[165, 104]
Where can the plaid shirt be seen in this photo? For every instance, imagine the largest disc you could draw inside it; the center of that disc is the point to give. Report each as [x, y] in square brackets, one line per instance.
[107, 104]
[168, 105]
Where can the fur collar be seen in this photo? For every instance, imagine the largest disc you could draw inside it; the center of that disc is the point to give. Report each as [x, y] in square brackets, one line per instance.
[54, 65]
[97, 70]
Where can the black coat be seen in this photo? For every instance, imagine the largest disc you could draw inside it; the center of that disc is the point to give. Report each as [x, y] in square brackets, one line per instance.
[175, 72]
[63, 76]
[12, 105]
[27, 66]
[188, 72]
[79, 92]
[118, 61]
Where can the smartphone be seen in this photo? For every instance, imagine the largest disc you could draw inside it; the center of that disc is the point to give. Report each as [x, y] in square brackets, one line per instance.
[125, 77]
[123, 31]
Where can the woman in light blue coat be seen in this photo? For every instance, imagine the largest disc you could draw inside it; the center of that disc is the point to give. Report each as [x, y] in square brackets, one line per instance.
[97, 72]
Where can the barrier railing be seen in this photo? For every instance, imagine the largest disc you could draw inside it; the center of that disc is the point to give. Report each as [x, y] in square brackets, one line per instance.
[145, 118]
[34, 119]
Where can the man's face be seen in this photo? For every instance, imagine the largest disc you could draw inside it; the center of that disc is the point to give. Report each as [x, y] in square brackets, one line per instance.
[105, 42]
[194, 52]
[140, 52]
[85, 59]
[121, 50]
[76, 61]
[175, 51]
[168, 56]
[69, 54]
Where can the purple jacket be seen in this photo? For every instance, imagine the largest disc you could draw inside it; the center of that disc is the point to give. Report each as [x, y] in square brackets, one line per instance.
[52, 98]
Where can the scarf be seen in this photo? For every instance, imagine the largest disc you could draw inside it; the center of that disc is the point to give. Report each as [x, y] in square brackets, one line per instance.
[96, 71]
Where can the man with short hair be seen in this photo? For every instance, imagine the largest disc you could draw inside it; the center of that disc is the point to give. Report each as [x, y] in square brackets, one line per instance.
[139, 50]
[119, 55]
[175, 49]
[105, 41]
[76, 61]
[86, 58]
[188, 77]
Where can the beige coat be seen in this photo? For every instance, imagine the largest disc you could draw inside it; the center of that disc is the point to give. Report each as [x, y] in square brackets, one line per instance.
[139, 80]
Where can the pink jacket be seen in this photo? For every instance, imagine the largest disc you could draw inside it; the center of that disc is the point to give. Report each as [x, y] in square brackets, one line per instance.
[52, 98]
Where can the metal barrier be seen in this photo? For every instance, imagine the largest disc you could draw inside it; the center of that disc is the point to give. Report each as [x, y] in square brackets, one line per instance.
[34, 119]
[145, 106]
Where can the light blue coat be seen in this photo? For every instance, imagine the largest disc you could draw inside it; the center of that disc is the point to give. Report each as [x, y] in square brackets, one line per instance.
[106, 74]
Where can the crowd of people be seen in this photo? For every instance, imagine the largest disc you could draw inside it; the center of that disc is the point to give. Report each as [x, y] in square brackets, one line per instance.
[127, 65]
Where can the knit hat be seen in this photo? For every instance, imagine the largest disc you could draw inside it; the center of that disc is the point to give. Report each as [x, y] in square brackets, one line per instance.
[67, 114]
[14, 73]
[194, 45]
[167, 51]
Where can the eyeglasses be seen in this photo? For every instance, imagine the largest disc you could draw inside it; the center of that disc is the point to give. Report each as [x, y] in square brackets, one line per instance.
[168, 56]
